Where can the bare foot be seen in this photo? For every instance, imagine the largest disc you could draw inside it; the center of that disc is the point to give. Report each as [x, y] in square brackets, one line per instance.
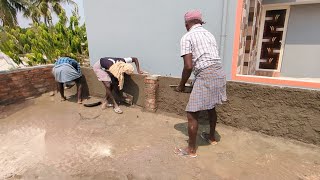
[51, 93]
[185, 152]
[79, 101]
[104, 105]
[117, 110]
[63, 98]
[205, 136]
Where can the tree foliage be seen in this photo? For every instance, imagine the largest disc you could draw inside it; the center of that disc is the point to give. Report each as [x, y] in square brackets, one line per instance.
[37, 10]
[9, 10]
[42, 44]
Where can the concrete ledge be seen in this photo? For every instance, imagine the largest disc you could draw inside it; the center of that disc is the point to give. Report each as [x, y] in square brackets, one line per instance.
[26, 69]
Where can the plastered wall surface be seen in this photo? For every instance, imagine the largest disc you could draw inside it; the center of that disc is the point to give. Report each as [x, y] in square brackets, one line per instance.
[134, 85]
[275, 111]
[284, 112]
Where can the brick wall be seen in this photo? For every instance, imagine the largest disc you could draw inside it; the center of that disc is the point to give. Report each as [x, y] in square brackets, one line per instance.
[24, 83]
[151, 92]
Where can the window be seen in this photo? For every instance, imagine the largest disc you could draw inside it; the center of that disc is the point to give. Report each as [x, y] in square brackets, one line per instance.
[272, 37]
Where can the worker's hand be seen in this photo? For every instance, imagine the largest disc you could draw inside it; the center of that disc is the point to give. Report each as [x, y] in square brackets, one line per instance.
[179, 88]
[142, 72]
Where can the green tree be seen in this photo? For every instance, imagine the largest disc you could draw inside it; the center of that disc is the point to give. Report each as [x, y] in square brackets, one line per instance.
[42, 44]
[9, 10]
[43, 9]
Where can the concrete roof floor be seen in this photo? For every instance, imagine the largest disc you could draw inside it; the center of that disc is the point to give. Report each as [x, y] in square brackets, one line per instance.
[44, 138]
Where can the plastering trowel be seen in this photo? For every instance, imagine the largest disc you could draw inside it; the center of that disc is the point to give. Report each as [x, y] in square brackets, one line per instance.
[187, 87]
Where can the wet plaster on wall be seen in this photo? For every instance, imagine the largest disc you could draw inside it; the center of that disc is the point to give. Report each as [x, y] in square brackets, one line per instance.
[134, 85]
[284, 112]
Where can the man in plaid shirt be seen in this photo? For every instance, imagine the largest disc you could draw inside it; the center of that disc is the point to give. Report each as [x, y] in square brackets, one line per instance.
[200, 54]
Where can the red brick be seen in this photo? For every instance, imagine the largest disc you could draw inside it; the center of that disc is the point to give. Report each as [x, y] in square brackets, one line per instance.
[42, 90]
[151, 101]
[3, 94]
[4, 89]
[150, 81]
[17, 77]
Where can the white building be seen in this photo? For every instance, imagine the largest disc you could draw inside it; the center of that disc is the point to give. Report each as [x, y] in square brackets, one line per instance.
[6, 63]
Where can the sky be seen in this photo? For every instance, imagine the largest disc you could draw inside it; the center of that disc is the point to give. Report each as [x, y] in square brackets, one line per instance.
[24, 22]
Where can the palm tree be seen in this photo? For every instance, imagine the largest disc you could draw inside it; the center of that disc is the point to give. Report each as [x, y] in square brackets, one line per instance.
[9, 10]
[38, 9]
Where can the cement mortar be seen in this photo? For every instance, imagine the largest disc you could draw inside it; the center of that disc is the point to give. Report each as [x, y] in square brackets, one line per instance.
[134, 85]
[284, 112]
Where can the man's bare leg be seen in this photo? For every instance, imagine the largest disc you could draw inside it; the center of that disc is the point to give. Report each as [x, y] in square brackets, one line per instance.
[109, 95]
[119, 93]
[213, 122]
[61, 90]
[79, 90]
[192, 131]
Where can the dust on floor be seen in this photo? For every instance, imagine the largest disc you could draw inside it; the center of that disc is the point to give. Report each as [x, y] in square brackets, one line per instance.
[48, 139]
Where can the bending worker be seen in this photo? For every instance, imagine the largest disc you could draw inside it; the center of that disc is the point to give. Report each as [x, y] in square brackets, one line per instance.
[110, 71]
[200, 54]
[67, 71]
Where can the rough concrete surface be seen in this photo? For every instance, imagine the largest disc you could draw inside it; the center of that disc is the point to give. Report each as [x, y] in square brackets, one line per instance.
[285, 112]
[134, 85]
[44, 138]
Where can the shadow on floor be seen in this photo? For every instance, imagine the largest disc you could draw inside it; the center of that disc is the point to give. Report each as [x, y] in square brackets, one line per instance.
[202, 127]
[73, 90]
[8, 110]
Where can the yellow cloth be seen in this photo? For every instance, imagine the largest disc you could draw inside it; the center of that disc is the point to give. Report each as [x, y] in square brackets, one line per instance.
[118, 68]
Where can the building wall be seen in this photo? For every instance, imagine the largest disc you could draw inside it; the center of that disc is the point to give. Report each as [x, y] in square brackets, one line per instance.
[302, 48]
[24, 83]
[288, 1]
[6, 63]
[151, 30]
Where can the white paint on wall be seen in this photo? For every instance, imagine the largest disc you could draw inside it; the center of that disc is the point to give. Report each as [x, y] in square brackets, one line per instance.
[302, 47]
[151, 30]
[290, 2]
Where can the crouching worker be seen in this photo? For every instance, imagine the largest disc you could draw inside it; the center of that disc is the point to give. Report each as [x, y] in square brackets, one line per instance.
[110, 71]
[67, 71]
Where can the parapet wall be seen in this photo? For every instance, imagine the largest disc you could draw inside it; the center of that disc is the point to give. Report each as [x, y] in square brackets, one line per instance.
[284, 112]
[24, 83]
